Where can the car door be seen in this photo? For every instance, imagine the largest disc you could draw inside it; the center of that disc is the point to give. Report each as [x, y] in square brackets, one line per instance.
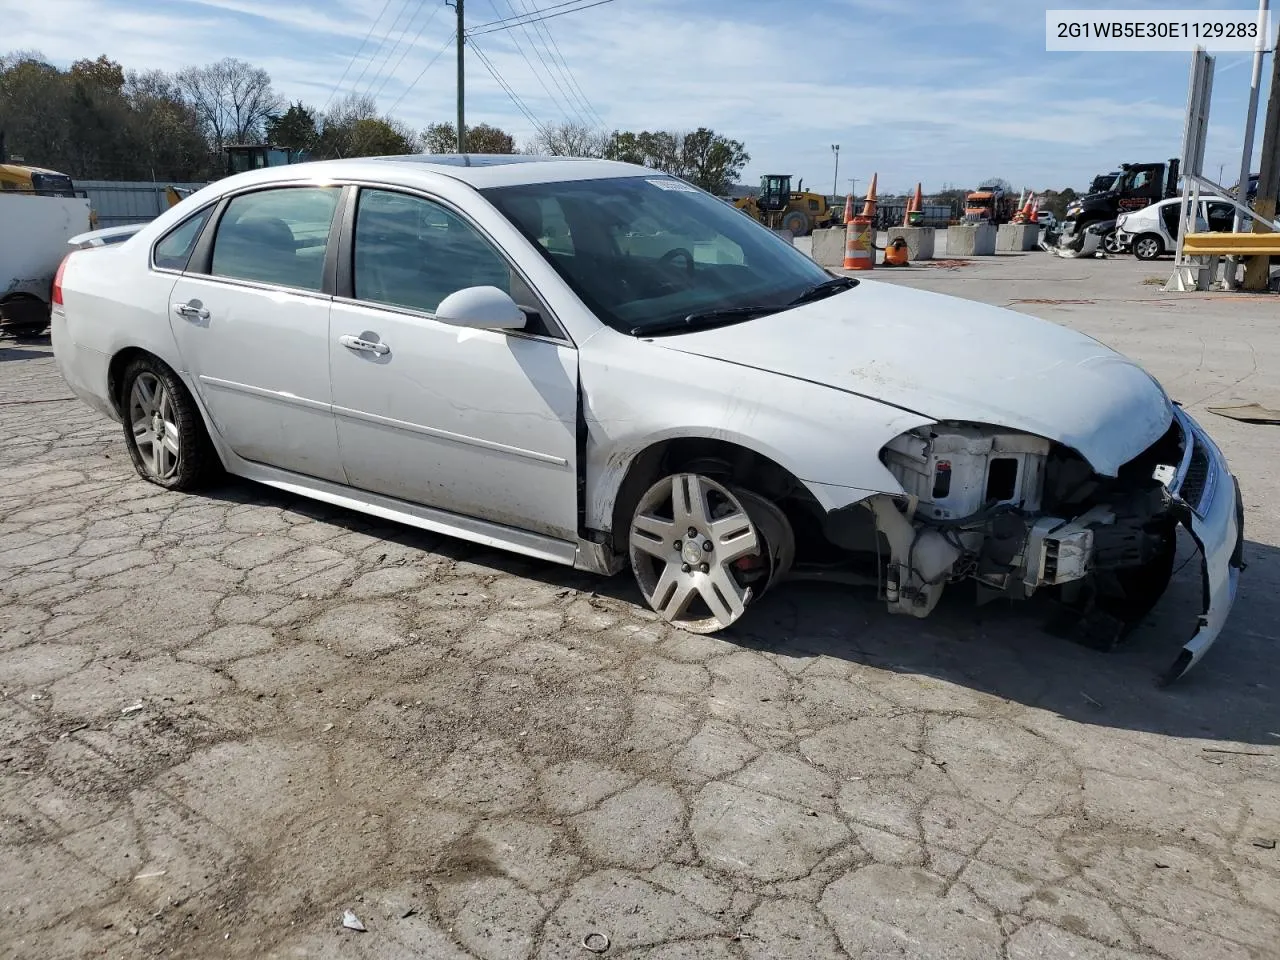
[251, 318]
[477, 422]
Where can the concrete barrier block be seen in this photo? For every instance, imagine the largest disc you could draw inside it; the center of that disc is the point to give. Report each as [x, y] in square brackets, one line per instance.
[1015, 237]
[971, 240]
[828, 247]
[920, 241]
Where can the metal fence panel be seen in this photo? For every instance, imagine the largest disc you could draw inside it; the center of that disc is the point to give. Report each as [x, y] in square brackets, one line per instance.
[120, 202]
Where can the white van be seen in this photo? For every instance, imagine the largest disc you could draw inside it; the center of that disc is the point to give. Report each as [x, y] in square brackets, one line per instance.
[1153, 231]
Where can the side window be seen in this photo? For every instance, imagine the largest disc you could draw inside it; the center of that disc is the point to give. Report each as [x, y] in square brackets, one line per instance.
[276, 236]
[1221, 216]
[410, 252]
[174, 249]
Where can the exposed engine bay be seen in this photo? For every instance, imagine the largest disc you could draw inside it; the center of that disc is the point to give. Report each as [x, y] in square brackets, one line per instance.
[1017, 515]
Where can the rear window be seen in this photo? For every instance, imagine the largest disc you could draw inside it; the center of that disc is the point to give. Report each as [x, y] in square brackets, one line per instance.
[174, 249]
[276, 236]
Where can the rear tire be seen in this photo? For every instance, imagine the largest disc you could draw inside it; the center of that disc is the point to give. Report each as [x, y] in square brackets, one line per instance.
[1111, 243]
[163, 429]
[1148, 247]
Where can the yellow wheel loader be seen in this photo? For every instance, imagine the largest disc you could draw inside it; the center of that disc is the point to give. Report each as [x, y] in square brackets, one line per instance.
[778, 208]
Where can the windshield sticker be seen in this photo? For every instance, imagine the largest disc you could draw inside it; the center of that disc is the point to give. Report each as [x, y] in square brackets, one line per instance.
[670, 184]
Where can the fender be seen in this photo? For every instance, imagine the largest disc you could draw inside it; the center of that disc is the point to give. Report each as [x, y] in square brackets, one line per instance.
[784, 419]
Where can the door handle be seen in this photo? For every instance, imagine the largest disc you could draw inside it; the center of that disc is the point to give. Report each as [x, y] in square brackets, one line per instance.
[191, 310]
[368, 346]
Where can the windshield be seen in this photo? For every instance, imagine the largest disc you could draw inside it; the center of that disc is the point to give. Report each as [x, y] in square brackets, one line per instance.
[643, 252]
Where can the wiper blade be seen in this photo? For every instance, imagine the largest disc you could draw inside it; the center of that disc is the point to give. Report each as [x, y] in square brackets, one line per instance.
[824, 289]
[704, 320]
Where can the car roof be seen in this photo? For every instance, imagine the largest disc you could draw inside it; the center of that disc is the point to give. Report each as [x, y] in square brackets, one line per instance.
[478, 170]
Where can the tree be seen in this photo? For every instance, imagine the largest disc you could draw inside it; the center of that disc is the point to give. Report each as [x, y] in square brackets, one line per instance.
[103, 72]
[482, 138]
[569, 140]
[353, 128]
[233, 100]
[711, 161]
[165, 130]
[295, 128]
[703, 157]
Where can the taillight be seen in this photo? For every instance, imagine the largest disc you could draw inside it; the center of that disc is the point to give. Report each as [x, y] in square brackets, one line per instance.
[57, 282]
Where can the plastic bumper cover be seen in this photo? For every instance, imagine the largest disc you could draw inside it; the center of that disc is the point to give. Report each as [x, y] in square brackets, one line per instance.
[1208, 499]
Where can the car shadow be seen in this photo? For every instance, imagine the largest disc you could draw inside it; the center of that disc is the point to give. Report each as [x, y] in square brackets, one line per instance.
[1001, 649]
[9, 353]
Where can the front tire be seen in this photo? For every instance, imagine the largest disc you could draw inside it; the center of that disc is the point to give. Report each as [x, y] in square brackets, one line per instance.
[1111, 243]
[702, 552]
[797, 223]
[1147, 247]
[163, 430]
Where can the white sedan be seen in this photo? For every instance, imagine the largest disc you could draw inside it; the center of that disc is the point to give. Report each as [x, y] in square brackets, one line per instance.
[599, 365]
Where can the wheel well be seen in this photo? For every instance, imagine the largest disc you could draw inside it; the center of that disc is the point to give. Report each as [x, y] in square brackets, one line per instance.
[115, 374]
[718, 459]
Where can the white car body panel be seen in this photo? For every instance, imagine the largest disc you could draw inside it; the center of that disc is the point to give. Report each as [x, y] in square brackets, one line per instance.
[260, 362]
[636, 394]
[427, 421]
[982, 364]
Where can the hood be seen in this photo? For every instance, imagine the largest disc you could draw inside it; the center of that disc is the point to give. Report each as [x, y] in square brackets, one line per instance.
[952, 359]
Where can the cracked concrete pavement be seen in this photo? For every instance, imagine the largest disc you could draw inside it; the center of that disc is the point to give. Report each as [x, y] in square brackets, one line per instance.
[229, 717]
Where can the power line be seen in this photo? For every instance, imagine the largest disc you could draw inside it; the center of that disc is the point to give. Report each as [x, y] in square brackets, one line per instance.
[494, 28]
[565, 88]
[381, 43]
[421, 30]
[517, 16]
[373, 26]
[439, 53]
[560, 105]
[572, 80]
[511, 94]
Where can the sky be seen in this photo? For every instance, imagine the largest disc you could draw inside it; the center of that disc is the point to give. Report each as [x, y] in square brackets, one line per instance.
[946, 92]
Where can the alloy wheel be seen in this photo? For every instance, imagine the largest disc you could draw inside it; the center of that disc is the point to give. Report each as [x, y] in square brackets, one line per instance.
[155, 429]
[693, 548]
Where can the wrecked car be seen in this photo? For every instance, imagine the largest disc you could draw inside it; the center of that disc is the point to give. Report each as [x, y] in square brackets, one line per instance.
[602, 366]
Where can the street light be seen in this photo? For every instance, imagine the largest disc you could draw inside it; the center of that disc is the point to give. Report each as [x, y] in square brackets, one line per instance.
[835, 177]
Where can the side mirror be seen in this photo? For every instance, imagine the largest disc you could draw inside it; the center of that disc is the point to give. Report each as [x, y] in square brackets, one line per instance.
[486, 308]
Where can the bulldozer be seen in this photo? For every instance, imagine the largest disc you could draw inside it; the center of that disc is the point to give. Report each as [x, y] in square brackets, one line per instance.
[778, 208]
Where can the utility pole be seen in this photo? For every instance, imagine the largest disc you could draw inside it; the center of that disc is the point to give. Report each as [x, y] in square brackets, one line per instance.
[835, 177]
[462, 120]
[1257, 272]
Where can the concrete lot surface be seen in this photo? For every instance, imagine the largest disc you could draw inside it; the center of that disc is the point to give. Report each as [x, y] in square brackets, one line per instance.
[226, 718]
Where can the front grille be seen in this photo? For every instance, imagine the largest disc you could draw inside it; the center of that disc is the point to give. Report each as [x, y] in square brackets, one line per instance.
[1197, 477]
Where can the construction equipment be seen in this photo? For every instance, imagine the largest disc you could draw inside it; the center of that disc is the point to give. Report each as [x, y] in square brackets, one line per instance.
[780, 208]
[1138, 185]
[242, 157]
[988, 204]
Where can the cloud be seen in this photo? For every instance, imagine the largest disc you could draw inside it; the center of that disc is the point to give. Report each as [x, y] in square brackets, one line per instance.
[963, 92]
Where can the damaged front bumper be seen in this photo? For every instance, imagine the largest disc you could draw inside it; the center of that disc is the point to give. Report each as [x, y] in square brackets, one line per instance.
[1207, 501]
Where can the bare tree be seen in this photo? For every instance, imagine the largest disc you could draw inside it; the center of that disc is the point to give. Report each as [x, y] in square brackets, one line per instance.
[233, 99]
[353, 128]
[569, 140]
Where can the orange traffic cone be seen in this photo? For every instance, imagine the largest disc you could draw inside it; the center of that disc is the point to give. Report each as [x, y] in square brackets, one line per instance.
[1035, 211]
[848, 207]
[916, 214]
[1020, 211]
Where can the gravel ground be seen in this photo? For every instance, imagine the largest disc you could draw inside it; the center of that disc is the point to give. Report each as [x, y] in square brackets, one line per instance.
[226, 718]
